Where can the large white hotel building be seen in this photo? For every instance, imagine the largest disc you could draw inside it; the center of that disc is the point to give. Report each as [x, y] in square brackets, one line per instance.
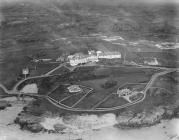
[92, 56]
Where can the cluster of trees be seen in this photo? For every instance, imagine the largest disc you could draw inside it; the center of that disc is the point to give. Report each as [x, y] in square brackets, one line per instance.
[109, 84]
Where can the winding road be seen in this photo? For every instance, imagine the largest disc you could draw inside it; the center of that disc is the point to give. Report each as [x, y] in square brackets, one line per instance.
[153, 78]
[14, 91]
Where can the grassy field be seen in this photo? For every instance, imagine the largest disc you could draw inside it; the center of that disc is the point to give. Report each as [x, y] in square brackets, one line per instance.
[61, 70]
[65, 97]
[168, 82]
[9, 73]
[3, 94]
[11, 69]
[72, 100]
[117, 74]
[133, 86]
[42, 68]
[94, 97]
[136, 97]
[93, 78]
[113, 101]
[165, 94]
[61, 92]
[154, 98]
[100, 93]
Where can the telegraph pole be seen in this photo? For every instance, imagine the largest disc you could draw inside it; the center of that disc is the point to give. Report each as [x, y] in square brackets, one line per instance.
[124, 57]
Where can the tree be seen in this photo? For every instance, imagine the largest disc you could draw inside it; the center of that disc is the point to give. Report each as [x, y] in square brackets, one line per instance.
[109, 84]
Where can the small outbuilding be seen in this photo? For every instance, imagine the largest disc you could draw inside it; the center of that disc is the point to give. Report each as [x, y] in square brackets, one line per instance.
[74, 88]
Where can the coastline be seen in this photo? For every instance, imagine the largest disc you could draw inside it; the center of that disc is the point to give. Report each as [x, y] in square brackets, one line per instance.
[165, 130]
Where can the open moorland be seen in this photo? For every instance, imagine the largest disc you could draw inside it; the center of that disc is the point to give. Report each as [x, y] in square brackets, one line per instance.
[49, 30]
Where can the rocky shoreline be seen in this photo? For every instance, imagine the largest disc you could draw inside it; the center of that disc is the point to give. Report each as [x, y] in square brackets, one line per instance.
[28, 122]
[160, 131]
[4, 104]
[125, 120]
[129, 120]
[31, 121]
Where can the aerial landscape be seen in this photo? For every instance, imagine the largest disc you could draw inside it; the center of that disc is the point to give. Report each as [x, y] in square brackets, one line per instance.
[89, 70]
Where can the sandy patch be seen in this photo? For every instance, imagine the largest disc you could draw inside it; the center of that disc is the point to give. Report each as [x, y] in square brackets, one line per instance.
[30, 88]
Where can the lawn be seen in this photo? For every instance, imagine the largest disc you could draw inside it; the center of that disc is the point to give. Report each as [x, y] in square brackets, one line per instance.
[99, 93]
[121, 79]
[43, 68]
[136, 97]
[73, 99]
[2, 93]
[60, 93]
[118, 71]
[113, 101]
[95, 84]
[96, 79]
[132, 86]
[95, 96]
[159, 96]
[154, 98]
[168, 82]
[61, 70]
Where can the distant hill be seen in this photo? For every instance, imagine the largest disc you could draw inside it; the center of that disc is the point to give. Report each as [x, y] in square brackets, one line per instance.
[54, 28]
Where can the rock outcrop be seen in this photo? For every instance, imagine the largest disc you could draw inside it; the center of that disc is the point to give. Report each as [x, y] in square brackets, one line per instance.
[29, 122]
[4, 104]
[145, 118]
